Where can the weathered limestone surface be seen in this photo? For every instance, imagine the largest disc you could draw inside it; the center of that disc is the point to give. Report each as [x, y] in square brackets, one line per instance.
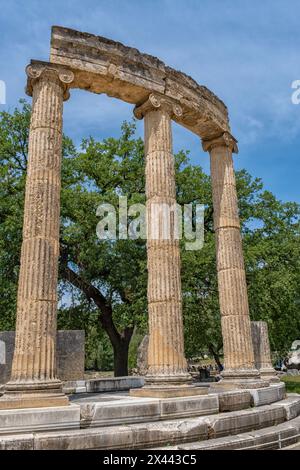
[134, 410]
[101, 65]
[166, 360]
[268, 395]
[291, 406]
[262, 351]
[244, 420]
[17, 442]
[114, 384]
[234, 400]
[257, 422]
[34, 364]
[70, 354]
[44, 419]
[108, 384]
[273, 437]
[74, 386]
[236, 328]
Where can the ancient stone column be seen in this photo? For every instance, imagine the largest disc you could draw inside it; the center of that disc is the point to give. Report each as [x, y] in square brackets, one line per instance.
[167, 366]
[262, 351]
[236, 329]
[33, 380]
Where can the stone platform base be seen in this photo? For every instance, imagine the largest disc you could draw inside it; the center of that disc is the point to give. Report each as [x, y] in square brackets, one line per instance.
[8, 402]
[196, 432]
[227, 384]
[270, 375]
[169, 392]
[39, 419]
[281, 436]
[107, 384]
[121, 421]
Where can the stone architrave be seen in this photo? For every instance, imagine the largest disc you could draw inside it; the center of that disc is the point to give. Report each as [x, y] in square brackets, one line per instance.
[236, 328]
[262, 351]
[33, 380]
[167, 365]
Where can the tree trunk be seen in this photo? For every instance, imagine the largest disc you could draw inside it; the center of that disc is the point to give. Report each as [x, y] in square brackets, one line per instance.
[215, 356]
[121, 360]
[120, 343]
[120, 340]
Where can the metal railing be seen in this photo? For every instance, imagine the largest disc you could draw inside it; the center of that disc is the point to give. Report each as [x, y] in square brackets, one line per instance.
[280, 441]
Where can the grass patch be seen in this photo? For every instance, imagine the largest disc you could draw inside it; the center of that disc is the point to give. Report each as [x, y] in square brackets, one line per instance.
[292, 383]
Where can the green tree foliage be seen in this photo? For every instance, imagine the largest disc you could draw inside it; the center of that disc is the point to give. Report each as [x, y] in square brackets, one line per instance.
[102, 284]
[13, 162]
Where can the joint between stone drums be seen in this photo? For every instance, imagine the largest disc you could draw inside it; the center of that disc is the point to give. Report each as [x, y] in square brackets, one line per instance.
[231, 226]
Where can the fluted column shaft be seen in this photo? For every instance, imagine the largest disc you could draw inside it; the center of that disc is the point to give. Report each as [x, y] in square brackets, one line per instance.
[34, 362]
[233, 298]
[166, 359]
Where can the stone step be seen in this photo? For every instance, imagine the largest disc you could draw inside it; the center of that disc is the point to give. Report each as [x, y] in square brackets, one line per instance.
[103, 410]
[39, 419]
[130, 410]
[273, 437]
[161, 433]
[103, 384]
[100, 410]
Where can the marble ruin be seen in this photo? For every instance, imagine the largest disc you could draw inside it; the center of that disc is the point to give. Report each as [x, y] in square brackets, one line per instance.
[248, 408]
[262, 351]
[70, 355]
[159, 95]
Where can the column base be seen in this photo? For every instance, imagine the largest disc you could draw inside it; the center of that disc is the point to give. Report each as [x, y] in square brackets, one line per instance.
[168, 380]
[241, 379]
[269, 374]
[169, 386]
[37, 394]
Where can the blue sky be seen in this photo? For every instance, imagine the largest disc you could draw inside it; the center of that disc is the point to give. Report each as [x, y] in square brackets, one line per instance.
[246, 52]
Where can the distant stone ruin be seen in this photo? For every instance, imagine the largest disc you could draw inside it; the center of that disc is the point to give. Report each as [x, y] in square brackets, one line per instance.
[294, 355]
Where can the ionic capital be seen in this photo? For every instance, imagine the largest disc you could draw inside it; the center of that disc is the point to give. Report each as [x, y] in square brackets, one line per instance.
[46, 71]
[224, 140]
[156, 102]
